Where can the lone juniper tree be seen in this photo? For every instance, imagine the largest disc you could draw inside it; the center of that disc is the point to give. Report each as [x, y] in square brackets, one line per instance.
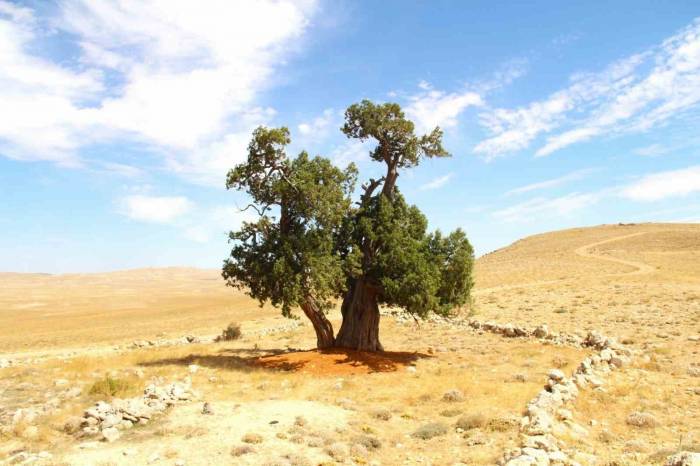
[312, 245]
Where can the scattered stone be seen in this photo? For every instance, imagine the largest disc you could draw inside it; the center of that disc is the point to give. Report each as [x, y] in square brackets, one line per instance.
[684, 458]
[193, 368]
[206, 408]
[110, 434]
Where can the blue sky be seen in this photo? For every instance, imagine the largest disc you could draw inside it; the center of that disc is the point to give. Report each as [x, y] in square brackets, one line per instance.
[119, 120]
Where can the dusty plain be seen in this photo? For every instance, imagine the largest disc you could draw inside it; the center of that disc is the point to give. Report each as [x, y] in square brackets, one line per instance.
[638, 283]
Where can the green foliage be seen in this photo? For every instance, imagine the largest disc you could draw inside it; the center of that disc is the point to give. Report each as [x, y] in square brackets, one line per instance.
[394, 134]
[312, 242]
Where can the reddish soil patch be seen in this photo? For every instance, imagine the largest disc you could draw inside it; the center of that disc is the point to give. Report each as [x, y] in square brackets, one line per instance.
[338, 361]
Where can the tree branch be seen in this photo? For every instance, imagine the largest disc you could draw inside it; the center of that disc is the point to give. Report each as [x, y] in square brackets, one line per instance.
[369, 189]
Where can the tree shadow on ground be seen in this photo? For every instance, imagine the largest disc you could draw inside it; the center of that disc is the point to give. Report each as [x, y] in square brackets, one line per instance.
[237, 359]
[333, 361]
[339, 361]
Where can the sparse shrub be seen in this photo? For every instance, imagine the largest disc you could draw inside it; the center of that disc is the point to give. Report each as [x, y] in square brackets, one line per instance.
[242, 450]
[382, 414]
[252, 437]
[294, 459]
[315, 442]
[300, 421]
[452, 412]
[110, 386]
[559, 362]
[635, 446]
[453, 395]
[428, 431]
[641, 419]
[337, 451]
[502, 424]
[368, 441]
[471, 421]
[230, 333]
[606, 436]
[358, 450]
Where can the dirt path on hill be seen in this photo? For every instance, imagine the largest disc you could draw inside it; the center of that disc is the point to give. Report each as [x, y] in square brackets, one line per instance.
[642, 268]
[584, 251]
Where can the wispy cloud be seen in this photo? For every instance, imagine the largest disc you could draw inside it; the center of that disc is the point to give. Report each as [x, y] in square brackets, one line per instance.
[552, 183]
[155, 209]
[542, 207]
[633, 94]
[436, 183]
[430, 107]
[652, 150]
[662, 185]
[188, 78]
[318, 127]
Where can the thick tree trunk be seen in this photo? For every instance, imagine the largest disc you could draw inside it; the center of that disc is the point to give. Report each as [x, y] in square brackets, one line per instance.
[322, 326]
[360, 328]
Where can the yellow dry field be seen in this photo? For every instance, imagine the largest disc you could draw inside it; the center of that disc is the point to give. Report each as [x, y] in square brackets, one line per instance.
[43, 312]
[639, 283]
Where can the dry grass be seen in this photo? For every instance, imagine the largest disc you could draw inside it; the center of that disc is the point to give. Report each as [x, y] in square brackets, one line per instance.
[538, 280]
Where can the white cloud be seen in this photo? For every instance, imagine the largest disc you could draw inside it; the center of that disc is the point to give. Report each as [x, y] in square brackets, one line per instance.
[651, 150]
[121, 169]
[319, 126]
[437, 182]
[351, 151]
[213, 224]
[633, 94]
[662, 185]
[431, 108]
[542, 208]
[552, 183]
[183, 76]
[155, 209]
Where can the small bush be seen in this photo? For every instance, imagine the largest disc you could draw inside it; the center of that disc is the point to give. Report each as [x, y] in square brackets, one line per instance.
[429, 431]
[232, 332]
[641, 419]
[368, 441]
[502, 424]
[471, 421]
[453, 395]
[382, 414]
[242, 450]
[252, 437]
[450, 412]
[110, 386]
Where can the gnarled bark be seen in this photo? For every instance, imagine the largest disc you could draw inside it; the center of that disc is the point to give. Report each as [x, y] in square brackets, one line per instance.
[360, 328]
[322, 326]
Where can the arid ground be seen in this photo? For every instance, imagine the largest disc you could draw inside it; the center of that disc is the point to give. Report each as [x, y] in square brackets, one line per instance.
[445, 394]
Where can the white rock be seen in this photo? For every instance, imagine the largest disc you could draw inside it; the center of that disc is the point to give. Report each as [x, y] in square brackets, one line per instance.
[684, 458]
[110, 434]
[193, 368]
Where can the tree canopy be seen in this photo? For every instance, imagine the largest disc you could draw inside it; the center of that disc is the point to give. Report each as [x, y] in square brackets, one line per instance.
[313, 245]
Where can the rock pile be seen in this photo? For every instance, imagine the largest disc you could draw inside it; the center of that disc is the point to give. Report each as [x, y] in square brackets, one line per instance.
[186, 340]
[546, 418]
[108, 419]
[4, 362]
